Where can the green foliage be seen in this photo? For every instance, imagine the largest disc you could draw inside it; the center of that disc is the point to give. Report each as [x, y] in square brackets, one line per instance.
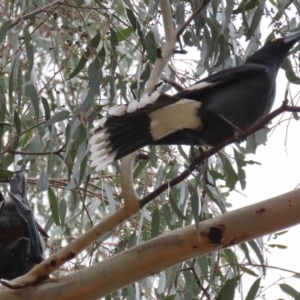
[253, 290]
[60, 72]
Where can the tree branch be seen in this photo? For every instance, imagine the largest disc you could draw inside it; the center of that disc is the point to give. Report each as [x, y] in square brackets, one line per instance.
[53, 6]
[168, 51]
[171, 39]
[191, 18]
[37, 153]
[172, 82]
[7, 124]
[166, 250]
[9, 144]
[128, 191]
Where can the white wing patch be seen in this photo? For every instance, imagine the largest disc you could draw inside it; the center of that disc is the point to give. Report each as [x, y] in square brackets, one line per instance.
[103, 161]
[148, 99]
[200, 85]
[117, 110]
[102, 122]
[175, 117]
[145, 100]
[132, 106]
[98, 137]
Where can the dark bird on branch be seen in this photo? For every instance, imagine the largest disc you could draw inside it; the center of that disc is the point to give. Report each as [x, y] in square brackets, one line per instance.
[207, 113]
[21, 247]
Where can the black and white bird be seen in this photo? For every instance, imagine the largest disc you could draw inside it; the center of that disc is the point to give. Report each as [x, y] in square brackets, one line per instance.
[204, 114]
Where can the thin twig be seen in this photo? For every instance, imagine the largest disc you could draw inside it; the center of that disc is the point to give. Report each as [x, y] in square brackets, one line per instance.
[191, 18]
[9, 144]
[36, 153]
[172, 82]
[7, 124]
[53, 6]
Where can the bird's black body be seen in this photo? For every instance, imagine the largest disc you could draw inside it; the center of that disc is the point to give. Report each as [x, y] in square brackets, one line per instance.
[206, 113]
[215, 101]
[20, 243]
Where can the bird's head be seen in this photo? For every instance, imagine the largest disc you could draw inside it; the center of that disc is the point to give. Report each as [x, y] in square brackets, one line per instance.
[274, 51]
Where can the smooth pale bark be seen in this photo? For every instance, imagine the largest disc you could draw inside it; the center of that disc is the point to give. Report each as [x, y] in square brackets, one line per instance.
[168, 249]
[168, 51]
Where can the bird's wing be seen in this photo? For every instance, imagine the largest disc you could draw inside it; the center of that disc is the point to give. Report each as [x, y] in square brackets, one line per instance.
[138, 108]
[221, 77]
[18, 195]
[156, 116]
[157, 101]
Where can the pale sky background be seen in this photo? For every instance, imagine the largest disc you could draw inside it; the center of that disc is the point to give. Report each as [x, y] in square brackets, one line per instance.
[278, 173]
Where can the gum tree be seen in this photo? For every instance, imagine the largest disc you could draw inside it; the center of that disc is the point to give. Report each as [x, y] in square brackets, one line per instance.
[155, 225]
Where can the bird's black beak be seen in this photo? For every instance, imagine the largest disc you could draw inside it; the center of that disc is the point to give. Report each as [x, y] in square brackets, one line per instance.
[292, 38]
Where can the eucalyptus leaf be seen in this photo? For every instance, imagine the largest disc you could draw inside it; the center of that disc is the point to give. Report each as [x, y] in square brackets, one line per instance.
[84, 58]
[60, 116]
[286, 288]
[53, 206]
[256, 18]
[228, 290]
[155, 224]
[95, 76]
[257, 251]
[253, 290]
[32, 94]
[43, 182]
[4, 28]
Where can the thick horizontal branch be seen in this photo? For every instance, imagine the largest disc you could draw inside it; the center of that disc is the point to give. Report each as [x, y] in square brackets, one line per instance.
[7, 124]
[168, 249]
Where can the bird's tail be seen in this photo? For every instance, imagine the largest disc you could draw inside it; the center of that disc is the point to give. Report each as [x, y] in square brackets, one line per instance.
[149, 121]
[125, 130]
[119, 137]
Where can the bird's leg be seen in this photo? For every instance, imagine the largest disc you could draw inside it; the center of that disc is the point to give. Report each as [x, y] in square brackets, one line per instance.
[181, 51]
[193, 153]
[192, 149]
[237, 130]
